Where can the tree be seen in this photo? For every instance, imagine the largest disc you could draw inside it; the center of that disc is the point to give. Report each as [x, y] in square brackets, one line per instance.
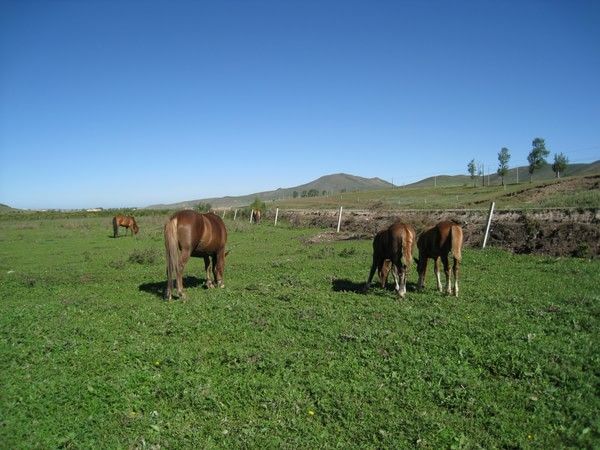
[503, 158]
[537, 156]
[560, 164]
[258, 204]
[295, 194]
[203, 207]
[472, 168]
[313, 193]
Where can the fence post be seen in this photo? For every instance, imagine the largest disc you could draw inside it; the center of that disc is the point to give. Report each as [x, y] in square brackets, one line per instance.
[339, 220]
[235, 214]
[224, 213]
[251, 211]
[489, 222]
[276, 214]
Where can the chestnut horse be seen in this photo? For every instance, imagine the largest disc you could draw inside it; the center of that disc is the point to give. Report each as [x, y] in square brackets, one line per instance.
[437, 242]
[394, 244]
[124, 221]
[255, 216]
[188, 233]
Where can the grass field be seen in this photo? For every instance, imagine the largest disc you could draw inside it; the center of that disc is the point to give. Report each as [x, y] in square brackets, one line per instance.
[287, 354]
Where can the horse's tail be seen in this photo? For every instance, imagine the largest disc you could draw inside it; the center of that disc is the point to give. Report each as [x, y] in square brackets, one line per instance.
[456, 234]
[172, 249]
[407, 246]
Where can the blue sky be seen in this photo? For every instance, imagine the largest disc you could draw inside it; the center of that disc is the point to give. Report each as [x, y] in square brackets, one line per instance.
[129, 103]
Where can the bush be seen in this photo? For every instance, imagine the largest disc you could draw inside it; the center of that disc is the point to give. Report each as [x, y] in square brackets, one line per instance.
[146, 256]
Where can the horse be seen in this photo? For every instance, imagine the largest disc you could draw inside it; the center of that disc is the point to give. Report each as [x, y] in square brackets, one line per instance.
[255, 216]
[436, 242]
[394, 244]
[188, 233]
[124, 221]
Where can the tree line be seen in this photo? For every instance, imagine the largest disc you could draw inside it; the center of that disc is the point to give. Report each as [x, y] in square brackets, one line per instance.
[536, 159]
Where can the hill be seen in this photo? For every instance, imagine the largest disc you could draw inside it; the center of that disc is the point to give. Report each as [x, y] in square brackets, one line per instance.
[344, 183]
[5, 208]
[340, 182]
[515, 175]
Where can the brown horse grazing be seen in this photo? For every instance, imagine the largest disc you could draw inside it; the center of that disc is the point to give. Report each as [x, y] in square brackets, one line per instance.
[437, 242]
[255, 215]
[188, 233]
[124, 221]
[394, 244]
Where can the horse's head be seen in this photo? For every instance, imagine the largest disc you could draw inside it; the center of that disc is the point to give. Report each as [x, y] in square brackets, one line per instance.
[135, 228]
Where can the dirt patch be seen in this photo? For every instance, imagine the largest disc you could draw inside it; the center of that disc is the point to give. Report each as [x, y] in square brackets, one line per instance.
[331, 236]
[556, 232]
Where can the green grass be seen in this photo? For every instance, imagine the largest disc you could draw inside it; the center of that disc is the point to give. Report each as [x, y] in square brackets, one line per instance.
[287, 354]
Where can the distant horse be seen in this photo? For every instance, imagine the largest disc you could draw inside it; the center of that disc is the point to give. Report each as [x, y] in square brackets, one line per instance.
[394, 244]
[188, 233]
[124, 221]
[255, 215]
[437, 242]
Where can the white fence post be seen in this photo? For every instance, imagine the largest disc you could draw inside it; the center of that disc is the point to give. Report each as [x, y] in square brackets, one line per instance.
[224, 213]
[235, 214]
[489, 222]
[276, 214]
[251, 211]
[339, 220]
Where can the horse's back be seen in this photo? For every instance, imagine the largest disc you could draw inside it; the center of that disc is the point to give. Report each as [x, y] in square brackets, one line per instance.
[398, 237]
[201, 233]
[440, 239]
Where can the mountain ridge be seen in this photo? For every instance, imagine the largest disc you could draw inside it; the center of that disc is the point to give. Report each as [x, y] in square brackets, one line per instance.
[331, 183]
[338, 182]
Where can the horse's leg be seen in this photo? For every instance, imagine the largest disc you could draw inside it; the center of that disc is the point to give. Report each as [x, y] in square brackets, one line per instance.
[447, 273]
[371, 273]
[383, 271]
[436, 271]
[184, 256]
[455, 270]
[422, 269]
[398, 277]
[219, 267]
[403, 270]
[209, 282]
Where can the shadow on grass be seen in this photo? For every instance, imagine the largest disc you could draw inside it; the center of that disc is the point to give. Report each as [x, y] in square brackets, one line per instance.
[158, 289]
[344, 285]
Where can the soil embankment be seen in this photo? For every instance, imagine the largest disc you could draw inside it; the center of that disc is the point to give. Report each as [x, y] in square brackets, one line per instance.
[557, 232]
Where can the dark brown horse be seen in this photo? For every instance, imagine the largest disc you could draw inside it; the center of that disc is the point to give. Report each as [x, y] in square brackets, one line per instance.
[394, 244]
[124, 221]
[255, 216]
[436, 243]
[188, 233]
